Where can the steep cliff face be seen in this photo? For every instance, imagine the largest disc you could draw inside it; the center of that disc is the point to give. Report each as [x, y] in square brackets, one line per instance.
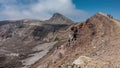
[96, 46]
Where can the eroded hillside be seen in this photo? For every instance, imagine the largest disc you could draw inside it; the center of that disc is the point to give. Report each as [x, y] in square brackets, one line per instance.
[96, 46]
[24, 42]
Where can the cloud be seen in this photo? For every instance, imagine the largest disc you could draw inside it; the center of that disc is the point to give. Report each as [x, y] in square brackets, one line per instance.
[39, 9]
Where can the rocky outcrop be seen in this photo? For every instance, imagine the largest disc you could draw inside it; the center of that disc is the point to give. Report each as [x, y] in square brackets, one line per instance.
[72, 36]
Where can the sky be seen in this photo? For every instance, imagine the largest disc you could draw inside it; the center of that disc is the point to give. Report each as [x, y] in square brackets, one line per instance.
[77, 10]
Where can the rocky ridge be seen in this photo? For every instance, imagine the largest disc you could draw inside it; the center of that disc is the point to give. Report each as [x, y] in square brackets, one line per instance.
[96, 46]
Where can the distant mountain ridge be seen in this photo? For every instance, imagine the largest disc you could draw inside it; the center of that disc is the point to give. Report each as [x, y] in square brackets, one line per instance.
[57, 18]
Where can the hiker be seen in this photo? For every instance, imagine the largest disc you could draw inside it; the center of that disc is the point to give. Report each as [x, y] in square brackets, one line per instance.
[109, 16]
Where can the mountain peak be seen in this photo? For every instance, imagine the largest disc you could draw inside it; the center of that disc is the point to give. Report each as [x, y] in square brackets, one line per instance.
[101, 20]
[101, 14]
[57, 14]
[101, 17]
[58, 18]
